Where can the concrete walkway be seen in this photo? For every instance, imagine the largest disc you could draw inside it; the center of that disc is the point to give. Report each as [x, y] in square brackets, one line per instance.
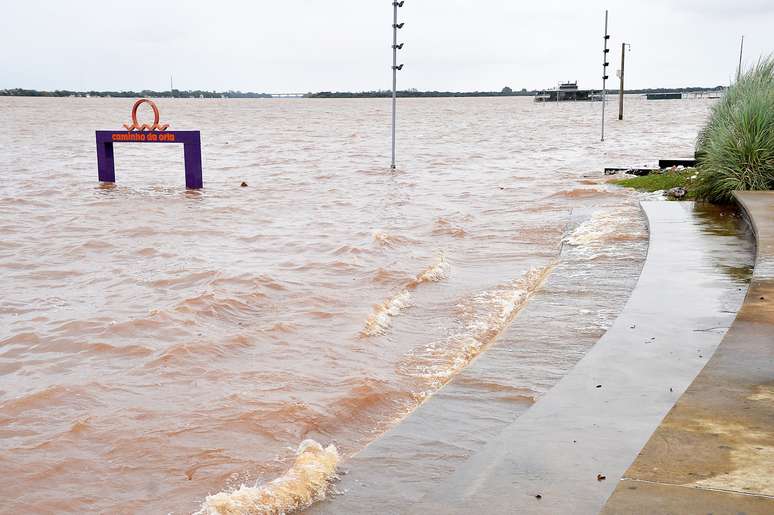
[714, 452]
[567, 452]
[541, 345]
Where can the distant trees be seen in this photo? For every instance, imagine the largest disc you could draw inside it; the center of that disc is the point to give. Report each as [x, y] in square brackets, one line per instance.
[19, 92]
[414, 93]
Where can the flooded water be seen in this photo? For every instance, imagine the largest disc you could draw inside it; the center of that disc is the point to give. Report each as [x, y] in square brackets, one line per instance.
[159, 346]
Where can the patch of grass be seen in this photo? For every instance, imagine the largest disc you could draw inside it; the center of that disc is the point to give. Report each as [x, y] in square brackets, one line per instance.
[735, 150]
[664, 180]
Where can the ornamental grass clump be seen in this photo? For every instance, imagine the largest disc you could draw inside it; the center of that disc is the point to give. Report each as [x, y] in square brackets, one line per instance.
[735, 150]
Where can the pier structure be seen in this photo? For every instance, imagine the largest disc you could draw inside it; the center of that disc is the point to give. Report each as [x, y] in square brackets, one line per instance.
[288, 95]
[675, 95]
[567, 92]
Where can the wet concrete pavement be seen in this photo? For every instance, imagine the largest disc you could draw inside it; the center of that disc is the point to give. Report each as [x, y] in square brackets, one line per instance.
[568, 451]
[529, 357]
[714, 452]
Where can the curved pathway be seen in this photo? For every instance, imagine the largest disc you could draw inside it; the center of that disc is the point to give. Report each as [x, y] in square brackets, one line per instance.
[566, 453]
[714, 452]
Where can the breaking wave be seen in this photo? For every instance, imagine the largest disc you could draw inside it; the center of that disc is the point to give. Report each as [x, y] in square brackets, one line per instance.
[483, 317]
[580, 193]
[390, 240]
[443, 227]
[381, 317]
[607, 226]
[379, 321]
[305, 483]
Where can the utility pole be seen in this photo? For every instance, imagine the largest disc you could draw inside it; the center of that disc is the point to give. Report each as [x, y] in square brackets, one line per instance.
[395, 69]
[171, 87]
[741, 52]
[621, 90]
[605, 64]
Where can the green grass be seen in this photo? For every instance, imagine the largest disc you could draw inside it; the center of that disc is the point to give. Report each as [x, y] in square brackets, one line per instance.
[665, 180]
[735, 150]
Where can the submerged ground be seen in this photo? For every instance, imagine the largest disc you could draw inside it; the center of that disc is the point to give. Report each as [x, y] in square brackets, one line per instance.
[158, 345]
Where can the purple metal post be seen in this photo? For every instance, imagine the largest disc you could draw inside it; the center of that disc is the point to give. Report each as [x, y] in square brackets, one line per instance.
[192, 150]
[192, 153]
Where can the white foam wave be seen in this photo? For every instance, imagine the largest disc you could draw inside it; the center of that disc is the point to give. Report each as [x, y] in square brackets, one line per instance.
[390, 240]
[381, 317]
[305, 483]
[606, 226]
[437, 272]
[483, 317]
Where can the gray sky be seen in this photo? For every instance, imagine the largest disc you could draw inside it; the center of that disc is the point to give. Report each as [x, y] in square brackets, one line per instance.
[316, 45]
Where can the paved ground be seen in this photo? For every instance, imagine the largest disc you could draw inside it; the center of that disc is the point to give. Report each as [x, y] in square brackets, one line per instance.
[567, 453]
[714, 452]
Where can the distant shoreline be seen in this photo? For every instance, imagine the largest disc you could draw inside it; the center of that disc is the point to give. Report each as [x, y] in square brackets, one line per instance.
[413, 93]
[409, 93]
[20, 92]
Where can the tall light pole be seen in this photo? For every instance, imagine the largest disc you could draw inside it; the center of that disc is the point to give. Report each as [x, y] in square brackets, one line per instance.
[395, 69]
[621, 90]
[605, 64]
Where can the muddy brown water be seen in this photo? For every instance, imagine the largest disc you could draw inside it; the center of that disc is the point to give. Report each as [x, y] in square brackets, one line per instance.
[159, 345]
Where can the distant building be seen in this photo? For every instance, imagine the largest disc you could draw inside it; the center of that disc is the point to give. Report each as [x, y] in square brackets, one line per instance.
[664, 96]
[567, 92]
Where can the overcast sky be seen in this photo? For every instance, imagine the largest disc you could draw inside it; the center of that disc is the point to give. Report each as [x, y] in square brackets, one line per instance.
[317, 45]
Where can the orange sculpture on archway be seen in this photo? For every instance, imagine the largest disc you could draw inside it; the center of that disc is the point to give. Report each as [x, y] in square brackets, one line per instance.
[145, 127]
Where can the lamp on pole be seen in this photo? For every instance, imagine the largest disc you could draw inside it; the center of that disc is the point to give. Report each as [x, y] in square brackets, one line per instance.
[621, 75]
[395, 69]
[605, 64]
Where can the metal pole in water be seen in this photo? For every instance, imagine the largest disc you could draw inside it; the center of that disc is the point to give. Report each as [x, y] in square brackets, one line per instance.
[741, 52]
[395, 69]
[605, 64]
[621, 90]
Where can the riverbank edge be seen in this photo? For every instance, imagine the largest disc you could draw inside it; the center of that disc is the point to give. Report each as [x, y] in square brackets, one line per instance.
[714, 450]
[566, 453]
